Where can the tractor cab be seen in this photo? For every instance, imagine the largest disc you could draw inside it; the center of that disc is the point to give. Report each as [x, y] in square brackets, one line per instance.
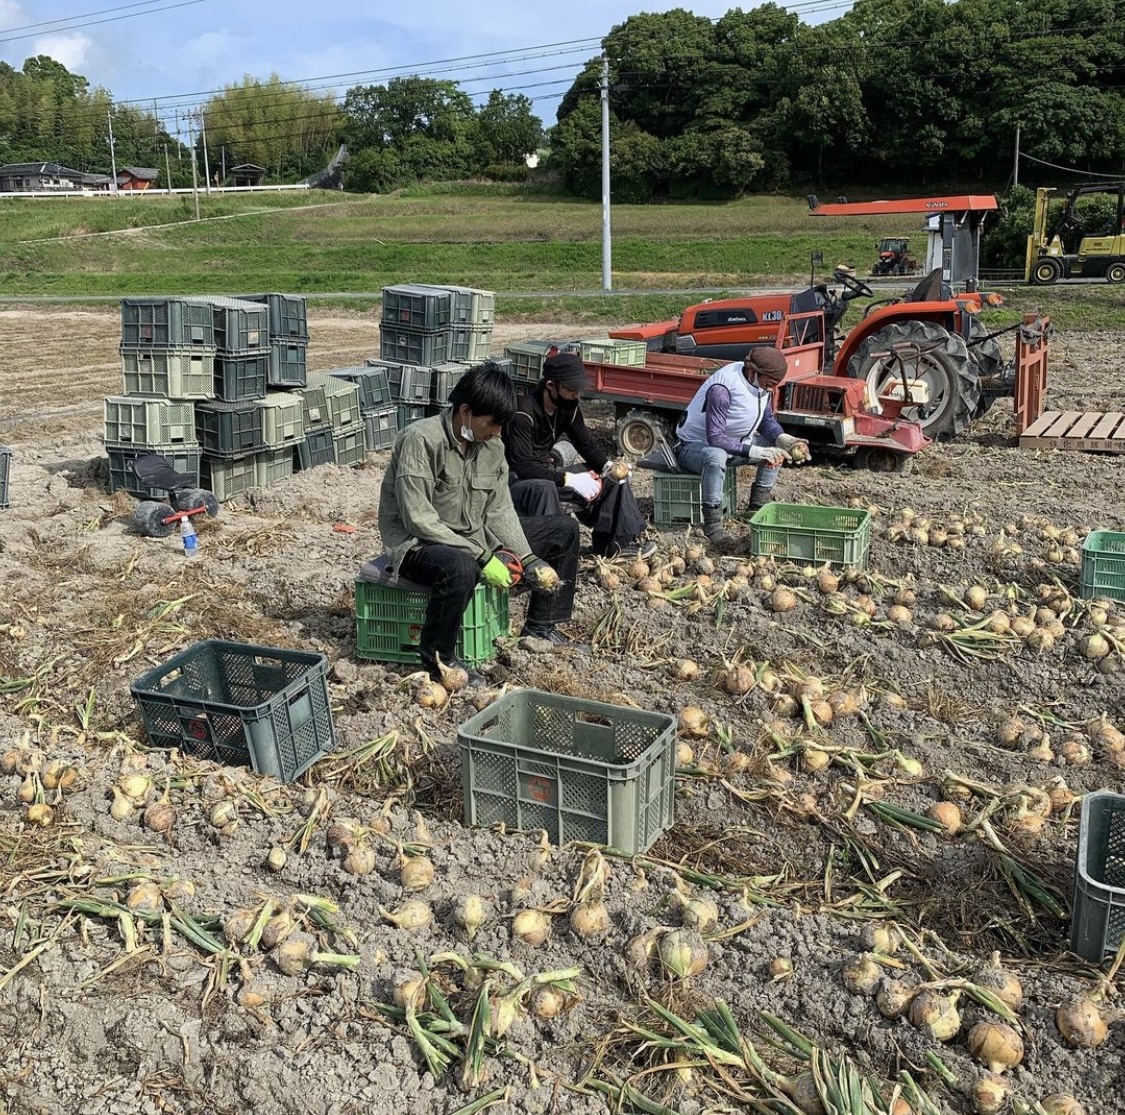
[893, 257]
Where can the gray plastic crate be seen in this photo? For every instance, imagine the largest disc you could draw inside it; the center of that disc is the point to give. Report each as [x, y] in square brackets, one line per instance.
[341, 398]
[241, 327]
[238, 704]
[349, 445]
[271, 465]
[228, 477]
[472, 306]
[417, 307]
[1098, 914]
[315, 404]
[527, 360]
[241, 377]
[169, 373]
[288, 315]
[318, 448]
[167, 323]
[185, 459]
[283, 419]
[132, 420]
[373, 382]
[288, 363]
[380, 427]
[5, 475]
[581, 770]
[470, 343]
[406, 413]
[229, 429]
[411, 346]
[445, 378]
[410, 383]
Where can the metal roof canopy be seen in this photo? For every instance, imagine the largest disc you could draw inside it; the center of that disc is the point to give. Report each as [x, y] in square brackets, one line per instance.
[960, 218]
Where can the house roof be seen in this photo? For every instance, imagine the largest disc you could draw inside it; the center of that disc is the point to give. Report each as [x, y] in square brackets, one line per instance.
[247, 166]
[55, 169]
[144, 173]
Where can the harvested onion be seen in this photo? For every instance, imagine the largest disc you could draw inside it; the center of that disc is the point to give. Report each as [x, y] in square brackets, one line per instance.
[531, 926]
[1081, 1024]
[416, 872]
[995, 1044]
[937, 1014]
[590, 919]
[694, 722]
[683, 953]
[997, 979]
[1061, 1103]
[989, 1093]
[861, 974]
[470, 913]
[413, 914]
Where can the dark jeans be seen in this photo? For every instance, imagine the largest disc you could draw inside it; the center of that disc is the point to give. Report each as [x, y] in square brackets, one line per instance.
[451, 576]
[536, 497]
[614, 518]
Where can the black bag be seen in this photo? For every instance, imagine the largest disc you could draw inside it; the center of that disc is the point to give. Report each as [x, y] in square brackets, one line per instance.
[614, 518]
[661, 458]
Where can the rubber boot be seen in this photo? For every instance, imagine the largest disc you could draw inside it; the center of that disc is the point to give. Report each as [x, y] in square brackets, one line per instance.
[713, 527]
[760, 495]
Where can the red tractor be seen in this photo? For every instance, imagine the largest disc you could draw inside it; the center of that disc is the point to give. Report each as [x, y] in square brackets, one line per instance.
[893, 257]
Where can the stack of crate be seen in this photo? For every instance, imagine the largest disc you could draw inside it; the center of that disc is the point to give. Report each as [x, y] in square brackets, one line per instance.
[378, 412]
[168, 354]
[332, 409]
[288, 338]
[426, 325]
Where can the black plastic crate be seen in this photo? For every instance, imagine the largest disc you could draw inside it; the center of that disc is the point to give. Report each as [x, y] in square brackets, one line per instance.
[414, 346]
[288, 363]
[148, 323]
[240, 704]
[241, 377]
[417, 307]
[240, 327]
[373, 382]
[1098, 911]
[288, 315]
[229, 429]
[317, 448]
[186, 459]
[5, 475]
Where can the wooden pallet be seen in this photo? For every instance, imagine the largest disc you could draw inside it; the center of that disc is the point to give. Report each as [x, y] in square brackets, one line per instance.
[1074, 430]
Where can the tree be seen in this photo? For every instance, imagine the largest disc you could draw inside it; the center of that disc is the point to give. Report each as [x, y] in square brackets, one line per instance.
[506, 130]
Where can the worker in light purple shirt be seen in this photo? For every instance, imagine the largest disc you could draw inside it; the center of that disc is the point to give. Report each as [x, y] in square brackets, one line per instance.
[730, 422]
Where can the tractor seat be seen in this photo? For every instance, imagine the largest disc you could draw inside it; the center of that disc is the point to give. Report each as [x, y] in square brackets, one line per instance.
[929, 289]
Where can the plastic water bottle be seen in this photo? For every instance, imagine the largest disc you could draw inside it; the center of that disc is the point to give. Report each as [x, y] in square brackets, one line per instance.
[191, 539]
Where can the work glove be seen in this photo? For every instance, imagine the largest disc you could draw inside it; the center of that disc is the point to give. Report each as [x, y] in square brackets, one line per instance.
[533, 568]
[586, 484]
[495, 573]
[787, 443]
[762, 455]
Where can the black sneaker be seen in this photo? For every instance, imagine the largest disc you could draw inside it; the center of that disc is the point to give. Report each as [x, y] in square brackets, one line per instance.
[643, 549]
[551, 635]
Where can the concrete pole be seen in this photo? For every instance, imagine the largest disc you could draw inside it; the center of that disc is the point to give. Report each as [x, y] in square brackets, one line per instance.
[112, 155]
[607, 240]
[206, 160]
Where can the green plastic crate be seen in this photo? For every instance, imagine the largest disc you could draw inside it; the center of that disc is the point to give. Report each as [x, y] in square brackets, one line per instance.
[380, 428]
[317, 448]
[239, 377]
[167, 323]
[1103, 566]
[288, 315]
[372, 381]
[183, 458]
[1098, 911]
[414, 346]
[445, 378]
[677, 498]
[272, 465]
[581, 770]
[606, 350]
[341, 398]
[527, 360]
[132, 420]
[314, 403]
[470, 343]
[169, 373]
[240, 704]
[405, 415]
[421, 307]
[811, 533]
[283, 419]
[241, 327]
[288, 365]
[389, 618]
[349, 444]
[230, 429]
[228, 477]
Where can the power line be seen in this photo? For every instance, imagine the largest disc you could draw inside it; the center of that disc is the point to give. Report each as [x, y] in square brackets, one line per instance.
[1069, 170]
[94, 22]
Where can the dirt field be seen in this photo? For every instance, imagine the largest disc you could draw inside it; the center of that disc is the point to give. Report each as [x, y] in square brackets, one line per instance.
[781, 820]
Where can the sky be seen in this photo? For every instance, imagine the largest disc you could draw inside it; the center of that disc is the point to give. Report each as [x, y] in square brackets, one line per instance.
[170, 55]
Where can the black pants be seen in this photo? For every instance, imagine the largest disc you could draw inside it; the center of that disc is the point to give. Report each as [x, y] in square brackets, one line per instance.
[452, 575]
[614, 518]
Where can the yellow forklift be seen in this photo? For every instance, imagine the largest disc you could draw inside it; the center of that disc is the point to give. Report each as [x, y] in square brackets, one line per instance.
[1077, 251]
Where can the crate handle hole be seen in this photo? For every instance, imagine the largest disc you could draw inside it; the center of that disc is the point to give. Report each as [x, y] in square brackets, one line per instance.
[593, 718]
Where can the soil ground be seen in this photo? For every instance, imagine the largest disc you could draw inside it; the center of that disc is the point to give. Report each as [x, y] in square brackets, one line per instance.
[780, 819]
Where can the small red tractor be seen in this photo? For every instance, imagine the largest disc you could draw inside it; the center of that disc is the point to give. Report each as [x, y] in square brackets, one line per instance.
[893, 257]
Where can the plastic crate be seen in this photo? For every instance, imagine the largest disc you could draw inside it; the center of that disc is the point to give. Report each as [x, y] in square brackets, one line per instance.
[425, 308]
[317, 448]
[283, 419]
[405, 415]
[272, 465]
[229, 429]
[605, 350]
[677, 498]
[241, 377]
[341, 399]
[228, 477]
[5, 475]
[389, 618]
[372, 381]
[237, 703]
[288, 365]
[581, 770]
[241, 327]
[288, 315]
[413, 346]
[169, 373]
[807, 532]
[471, 344]
[131, 420]
[444, 378]
[182, 458]
[380, 428]
[472, 306]
[1103, 566]
[527, 360]
[167, 323]
[1098, 914]
[350, 445]
[411, 384]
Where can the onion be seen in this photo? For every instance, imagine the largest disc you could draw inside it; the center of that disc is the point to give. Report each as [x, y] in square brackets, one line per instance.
[223, 813]
[806, 1095]
[883, 939]
[145, 898]
[976, 596]
[639, 569]
[814, 760]
[359, 860]
[861, 974]
[236, 928]
[948, 815]
[827, 581]
[412, 914]
[1074, 753]
[685, 670]
[416, 872]
[341, 834]
[999, 622]
[277, 858]
[699, 913]
[590, 919]
[997, 979]
[408, 987]
[781, 967]
[470, 913]
[135, 786]
[1061, 1103]
[533, 927]
[738, 680]
[544, 578]
[894, 998]
[40, 813]
[639, 951]
[694, 722]
[160, 816]
[989, 1093]
[1081, 1024]
[122, 807]
[685, 756]
[1010, 731]
[58, 775]
[683, 953]
[277, 929]
[901, 615]
[431, 694]
[937, 1014]
[781, 600]
[295, 955]
[453, 678]
[995, 1044]
[547, 1002]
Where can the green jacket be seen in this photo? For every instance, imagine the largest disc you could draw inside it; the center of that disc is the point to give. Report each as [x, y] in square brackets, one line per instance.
[431, 493]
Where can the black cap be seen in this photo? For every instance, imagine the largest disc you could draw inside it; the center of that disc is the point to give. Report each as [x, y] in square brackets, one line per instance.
[567, 370]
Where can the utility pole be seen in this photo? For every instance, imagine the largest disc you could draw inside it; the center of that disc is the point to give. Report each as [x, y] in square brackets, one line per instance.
[112, 155]
[607, 243]
[206, 160]
[1016, 172]
[194, 176]
[167, 171]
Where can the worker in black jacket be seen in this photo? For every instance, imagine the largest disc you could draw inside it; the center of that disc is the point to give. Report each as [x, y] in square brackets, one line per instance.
[540, 487]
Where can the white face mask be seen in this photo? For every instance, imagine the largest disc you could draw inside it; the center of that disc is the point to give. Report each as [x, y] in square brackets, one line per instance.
[467, 433]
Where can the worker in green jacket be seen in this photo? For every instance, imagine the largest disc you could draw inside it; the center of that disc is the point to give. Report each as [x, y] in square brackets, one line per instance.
[445, 510]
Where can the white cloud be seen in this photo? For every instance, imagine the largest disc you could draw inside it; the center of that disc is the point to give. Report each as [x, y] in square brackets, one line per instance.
[71, 48]
[12, 15]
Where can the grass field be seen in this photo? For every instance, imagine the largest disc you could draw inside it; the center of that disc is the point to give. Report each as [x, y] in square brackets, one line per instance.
[545, 249]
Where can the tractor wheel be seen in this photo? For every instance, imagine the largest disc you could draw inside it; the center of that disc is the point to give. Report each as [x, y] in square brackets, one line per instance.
[988, 358]
[640, 431]
[940, 366]
[149, 516]
[883, 460]
[1046, 271]
[1115, 273]
[188, 499]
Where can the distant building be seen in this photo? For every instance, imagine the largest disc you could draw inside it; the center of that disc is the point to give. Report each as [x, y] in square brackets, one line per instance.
[137, 178]
[18, 178]
[247, 174]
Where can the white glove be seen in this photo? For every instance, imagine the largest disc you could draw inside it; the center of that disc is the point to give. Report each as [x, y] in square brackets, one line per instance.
[763, 455]
[787, 441]
[585, 484]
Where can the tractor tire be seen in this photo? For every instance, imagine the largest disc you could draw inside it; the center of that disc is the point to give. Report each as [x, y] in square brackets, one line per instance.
[988, 358]
[639, 432]
[188, 499]
[943, 365]
[1115, 273]
[883, 460]
[1046, 271]
[149, 516]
